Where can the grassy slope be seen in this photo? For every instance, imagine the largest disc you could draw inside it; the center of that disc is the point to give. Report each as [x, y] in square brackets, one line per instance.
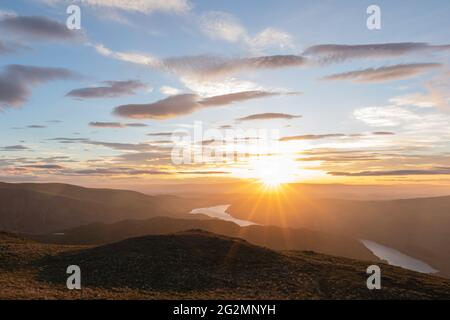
[196, 265]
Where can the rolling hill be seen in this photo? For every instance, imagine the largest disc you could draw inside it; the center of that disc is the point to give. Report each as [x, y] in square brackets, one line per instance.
[418, 227]
[40, 208]
[197, 265]
[272, 237]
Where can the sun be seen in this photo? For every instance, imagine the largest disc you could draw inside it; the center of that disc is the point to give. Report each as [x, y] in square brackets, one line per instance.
[273, 172]
[271, 182]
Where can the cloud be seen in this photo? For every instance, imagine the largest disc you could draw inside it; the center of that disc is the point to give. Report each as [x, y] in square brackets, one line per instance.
[220, 25]
[437, 94]
[341, 158]
[70, 140]
[114, 171]
[271, 37]
[207, 74]
[106, 124]
[205, 66]
[115, 124]
[136, 125]
[183, 104]
[111, 145]
[396, 72]
[203, 172]
[143, 6]
[383, 133]
[388, 116]
[408, 172]
[230, 98]
[44, 166]
[7, 14]
[131, 57]
[7, 47]
[338, 53]
[16, 81]
[166, 108]
[170, 91]
[268, 116]
[121, 146]
[110, 90]
[208, 66]
[14, 148]
[160, 134]
[312, 137]
[38, 28]
[36, 126]
[143, 157]
[4, 48]
[415, 99]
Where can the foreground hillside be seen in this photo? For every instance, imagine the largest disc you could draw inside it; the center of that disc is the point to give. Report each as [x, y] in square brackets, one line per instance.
[197, 265]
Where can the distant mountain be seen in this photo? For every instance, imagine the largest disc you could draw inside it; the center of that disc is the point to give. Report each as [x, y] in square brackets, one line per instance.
[198, 264]
[268, 236]
[417, 227]
[38, 208]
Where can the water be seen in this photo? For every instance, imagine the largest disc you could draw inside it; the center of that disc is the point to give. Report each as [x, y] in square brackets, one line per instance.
[219, 212]
[392, 256]
[396, 258]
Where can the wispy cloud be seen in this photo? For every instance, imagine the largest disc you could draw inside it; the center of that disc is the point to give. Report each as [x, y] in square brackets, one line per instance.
[436, 95]
[183, 104]
[114, 172]
[339, 52]
[111, 145]
[8, 47]
[170, 91]
[16, 81]
[160, 134]
[385, 116]
[407, 172]
[142, 6]
[17, 147]
[208, 66]
[312, 136]
[269, 116]
[110, 89]
[98, 124]
[205, 66]
[383, 133]
[38, 28]
[382, 74]
[135, 125]
[44, 166]
[225, 26]
[106, 124]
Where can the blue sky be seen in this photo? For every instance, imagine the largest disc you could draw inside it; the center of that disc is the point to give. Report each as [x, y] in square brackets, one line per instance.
[340, 102]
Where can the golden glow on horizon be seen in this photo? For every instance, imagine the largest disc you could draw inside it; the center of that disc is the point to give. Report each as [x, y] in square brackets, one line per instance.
[272, 172]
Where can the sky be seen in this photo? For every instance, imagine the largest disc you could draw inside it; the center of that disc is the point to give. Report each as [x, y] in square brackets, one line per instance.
[161, 91]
